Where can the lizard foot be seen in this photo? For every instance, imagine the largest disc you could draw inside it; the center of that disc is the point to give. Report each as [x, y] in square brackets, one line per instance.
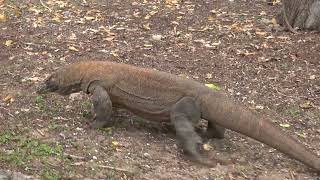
[98, 123]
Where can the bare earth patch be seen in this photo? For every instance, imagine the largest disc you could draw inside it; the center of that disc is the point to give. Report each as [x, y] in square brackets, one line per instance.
[233, 44]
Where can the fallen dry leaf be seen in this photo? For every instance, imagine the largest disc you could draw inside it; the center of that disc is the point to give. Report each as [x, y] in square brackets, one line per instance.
[207, 147]
[146, 26]
[312, 77]
[147, 45]
[209, 76]
[261, 33]
[156, 37]
[8, 43]
[89, 18]
[3, 18]
[306, 105]
[8, 99]
[73, 49]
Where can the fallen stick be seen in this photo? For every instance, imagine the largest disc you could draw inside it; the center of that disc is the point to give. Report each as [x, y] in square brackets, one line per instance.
[50, 10]
[116, 169]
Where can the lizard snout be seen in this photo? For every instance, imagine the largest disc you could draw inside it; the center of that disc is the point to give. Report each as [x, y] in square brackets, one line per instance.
[42, 89]
[46, 87]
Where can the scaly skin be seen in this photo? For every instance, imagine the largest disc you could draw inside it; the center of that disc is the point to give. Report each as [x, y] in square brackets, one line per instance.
[160, 96]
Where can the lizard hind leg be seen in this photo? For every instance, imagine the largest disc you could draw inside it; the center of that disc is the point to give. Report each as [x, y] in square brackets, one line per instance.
[183, 115]
[102, 106]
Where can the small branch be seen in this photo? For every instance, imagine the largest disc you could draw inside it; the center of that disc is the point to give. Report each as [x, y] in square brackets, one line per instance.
[116, 169]
[45, 6]
[40, 132]
[73, 156]
[292, 176]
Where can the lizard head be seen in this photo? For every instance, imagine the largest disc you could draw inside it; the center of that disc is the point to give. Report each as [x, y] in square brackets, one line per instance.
[62, 82]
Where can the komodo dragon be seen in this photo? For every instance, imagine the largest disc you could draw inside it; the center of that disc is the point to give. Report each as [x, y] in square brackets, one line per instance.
[161, 96]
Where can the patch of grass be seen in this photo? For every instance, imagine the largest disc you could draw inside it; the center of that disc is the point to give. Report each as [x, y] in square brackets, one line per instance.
[139, 121]
[87, 105]
[54, 126]
[293, 112]
[20, 151]
[5, 138]
[16, 158]
[111, 174]
[94, 168]
[50, 174]
[218, 178]
[75, 144]
[51, 111]
[36, 148]
[284, 66]
[87, 114]
[39, 100]
[108, 130]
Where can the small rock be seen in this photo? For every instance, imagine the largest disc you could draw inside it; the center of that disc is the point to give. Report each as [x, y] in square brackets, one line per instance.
[74, 96]
[259, 107]
[147, 155]
[312, 77]
[156, 37]
[79, 129]
[266, 21]
[62, 135]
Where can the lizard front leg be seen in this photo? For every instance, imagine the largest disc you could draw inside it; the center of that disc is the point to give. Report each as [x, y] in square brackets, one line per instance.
[183, 114]
[215, 131]
[102, 106]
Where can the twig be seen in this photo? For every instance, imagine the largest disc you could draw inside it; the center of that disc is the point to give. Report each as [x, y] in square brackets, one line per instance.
[40, 132]
[294, 97]
[73, 156]
[116, 169]
[7, 110]
[78, 163]
[292, 176]
[50, 10]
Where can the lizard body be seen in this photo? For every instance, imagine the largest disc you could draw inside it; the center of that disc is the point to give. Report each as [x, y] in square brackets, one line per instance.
[161, 96]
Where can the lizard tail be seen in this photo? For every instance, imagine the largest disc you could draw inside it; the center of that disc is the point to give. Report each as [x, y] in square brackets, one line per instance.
[218, 109]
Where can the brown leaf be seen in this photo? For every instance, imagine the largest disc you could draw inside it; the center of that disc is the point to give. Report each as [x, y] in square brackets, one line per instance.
[8, 43]
[73, 49]
[207, 147]
[89, 18]
[146, 26]
[3, 18]
[306, 105]
[8, 99]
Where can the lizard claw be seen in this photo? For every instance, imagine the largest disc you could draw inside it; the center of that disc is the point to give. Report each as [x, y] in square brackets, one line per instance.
[98, 123]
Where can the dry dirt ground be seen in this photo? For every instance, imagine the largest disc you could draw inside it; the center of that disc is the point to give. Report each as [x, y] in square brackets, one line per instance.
[234, 44]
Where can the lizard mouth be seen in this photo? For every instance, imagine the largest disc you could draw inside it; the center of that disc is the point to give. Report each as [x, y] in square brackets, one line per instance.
[69, 89]
[47, 87]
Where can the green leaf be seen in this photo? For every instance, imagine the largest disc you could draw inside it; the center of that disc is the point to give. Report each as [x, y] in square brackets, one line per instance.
[213, 87]
[285, 125]
[303, 135]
